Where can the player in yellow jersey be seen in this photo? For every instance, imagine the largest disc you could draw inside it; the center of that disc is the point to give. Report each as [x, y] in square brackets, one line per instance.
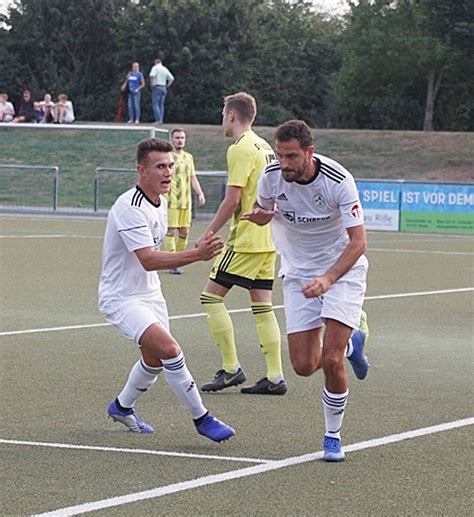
[248, 259]
[179, 197]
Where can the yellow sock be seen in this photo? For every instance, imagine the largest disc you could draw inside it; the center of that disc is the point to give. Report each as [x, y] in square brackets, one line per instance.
[221, 329]
[270, 339]
[182, 243]
[170, 243]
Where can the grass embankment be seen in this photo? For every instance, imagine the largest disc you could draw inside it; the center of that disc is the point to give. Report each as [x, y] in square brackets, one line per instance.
[409, 155]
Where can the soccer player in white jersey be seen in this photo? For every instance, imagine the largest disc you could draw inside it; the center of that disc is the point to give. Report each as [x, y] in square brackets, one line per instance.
[130, 294]
[318, 229]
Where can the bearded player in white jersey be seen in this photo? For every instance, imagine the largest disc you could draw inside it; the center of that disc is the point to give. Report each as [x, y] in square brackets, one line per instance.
[318, 229]
[130, 294]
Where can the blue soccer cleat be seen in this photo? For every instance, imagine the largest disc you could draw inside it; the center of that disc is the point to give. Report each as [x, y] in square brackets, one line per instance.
[128, 418]
[212, 428]
[358, 359]
[332, 450]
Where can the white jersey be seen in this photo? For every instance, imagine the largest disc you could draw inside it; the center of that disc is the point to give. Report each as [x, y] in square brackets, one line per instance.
[309, 227]
[134, 222]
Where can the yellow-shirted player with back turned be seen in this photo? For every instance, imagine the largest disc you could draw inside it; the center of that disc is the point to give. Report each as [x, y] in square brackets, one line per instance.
[248, 259]
[180, 196]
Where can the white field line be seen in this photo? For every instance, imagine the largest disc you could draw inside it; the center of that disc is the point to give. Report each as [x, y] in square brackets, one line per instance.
[52, 236]
[232, 311]
[248, 471]
[132, 451]
[436, 252]
[394, 241]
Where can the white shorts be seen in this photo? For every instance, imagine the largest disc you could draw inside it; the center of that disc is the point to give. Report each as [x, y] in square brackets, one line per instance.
[342, 302]
[133, 317]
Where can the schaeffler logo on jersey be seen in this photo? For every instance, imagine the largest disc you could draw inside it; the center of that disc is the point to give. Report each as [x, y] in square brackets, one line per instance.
[292, 217]
[356, 211]
[289, 216]
[319, 200]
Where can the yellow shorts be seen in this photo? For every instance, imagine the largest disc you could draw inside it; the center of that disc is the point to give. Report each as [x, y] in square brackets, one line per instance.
[247, 270]
[179, 217]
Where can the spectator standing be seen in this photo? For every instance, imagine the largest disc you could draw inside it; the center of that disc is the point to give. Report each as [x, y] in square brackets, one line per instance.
[135, 82]
[63, 110]
[179, 197]
[160, 80]
[26, 109]
[47, 106]
[7, 111]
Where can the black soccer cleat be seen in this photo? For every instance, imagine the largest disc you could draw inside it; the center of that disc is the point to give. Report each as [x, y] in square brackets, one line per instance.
[266, 387]
[224, 380]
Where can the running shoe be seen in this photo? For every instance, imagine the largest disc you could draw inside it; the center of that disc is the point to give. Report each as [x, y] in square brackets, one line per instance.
[224, 380]
[358, 359]
[212, 428]
[332, 450]
[128, 418]
[266, 387]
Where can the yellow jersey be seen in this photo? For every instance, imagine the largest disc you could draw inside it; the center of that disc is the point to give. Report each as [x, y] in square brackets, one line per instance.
[179, 195]
[246, 159]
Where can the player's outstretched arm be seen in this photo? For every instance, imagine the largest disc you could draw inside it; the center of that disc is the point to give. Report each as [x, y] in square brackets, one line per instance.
[209, 247]
[258, 215]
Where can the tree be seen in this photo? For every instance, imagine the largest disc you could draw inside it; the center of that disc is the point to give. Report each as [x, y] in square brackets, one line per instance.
[64, 46]
[397, 58]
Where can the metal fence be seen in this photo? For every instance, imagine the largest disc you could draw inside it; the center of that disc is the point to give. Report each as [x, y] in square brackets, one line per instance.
[153, 132]
[8, 201]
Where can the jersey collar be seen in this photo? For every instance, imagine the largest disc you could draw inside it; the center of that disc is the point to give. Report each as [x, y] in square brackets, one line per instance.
[316, 174]
[156, 205]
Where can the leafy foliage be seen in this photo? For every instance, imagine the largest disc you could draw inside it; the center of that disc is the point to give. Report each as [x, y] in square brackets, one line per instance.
[402, 64]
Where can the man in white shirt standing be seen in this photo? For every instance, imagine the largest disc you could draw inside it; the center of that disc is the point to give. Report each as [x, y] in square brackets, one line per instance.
[318, 229]
[160, 80]
[130, 296]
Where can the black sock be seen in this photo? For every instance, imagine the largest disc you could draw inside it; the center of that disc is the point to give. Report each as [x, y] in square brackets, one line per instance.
[121, 407]
[201, 418]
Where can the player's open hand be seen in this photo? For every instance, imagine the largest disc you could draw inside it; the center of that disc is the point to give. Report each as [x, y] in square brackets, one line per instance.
[316, 287]
[209, 246]
[258, 215]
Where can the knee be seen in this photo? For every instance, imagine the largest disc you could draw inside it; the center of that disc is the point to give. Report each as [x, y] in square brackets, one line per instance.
[169, 350]
[333, 363]
[304, 368]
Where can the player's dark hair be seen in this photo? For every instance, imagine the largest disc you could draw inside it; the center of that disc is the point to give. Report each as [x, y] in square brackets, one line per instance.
[295, 130]
[145, 147]
[243, 104]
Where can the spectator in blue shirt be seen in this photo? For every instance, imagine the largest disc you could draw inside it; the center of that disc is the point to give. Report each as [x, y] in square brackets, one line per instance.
[135, 82]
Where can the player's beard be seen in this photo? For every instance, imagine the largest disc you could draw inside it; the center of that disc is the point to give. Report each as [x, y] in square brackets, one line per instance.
[291, 175]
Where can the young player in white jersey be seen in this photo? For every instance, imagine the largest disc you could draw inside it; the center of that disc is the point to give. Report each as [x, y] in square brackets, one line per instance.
[130, 294]
[318, 229]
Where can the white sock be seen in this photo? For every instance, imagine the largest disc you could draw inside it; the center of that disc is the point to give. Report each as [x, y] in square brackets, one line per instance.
[182, 383]
[333, 406]
[349, 348]
[141, 377]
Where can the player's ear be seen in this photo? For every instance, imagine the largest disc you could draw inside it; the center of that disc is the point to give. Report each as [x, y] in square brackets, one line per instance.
[309, 151]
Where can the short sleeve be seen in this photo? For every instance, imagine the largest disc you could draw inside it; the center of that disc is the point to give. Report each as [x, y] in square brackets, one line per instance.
[265, 198]
[349, 203]
[239, 166]
[132, 226]
[191, 165]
